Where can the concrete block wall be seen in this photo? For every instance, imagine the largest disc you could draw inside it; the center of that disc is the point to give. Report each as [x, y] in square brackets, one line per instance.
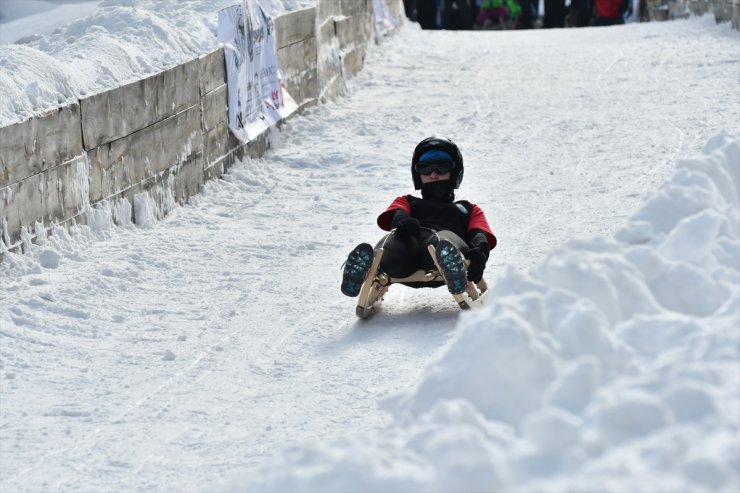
[297, 48]
[40, 159]
[699, 7]
[665, 10]
[164, 136]
[723, 10]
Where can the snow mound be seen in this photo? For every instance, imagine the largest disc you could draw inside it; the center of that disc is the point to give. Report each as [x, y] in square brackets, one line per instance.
[614, 366]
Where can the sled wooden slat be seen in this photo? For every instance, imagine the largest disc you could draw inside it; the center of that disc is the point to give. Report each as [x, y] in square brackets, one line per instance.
[376, 284]
[370, 291]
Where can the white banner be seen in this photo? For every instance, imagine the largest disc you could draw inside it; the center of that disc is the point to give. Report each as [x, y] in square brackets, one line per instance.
[383, 20]
[257, 96]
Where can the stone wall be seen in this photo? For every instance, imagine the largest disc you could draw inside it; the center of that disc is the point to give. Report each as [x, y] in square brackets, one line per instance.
[164, 136]
[665, 10]
[344, 27]
[723, 10]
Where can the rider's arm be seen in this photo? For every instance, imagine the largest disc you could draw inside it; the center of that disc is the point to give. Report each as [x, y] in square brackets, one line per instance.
[385, 219]
[479, 222]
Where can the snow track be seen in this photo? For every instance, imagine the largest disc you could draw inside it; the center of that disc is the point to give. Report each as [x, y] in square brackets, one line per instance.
[163, 358]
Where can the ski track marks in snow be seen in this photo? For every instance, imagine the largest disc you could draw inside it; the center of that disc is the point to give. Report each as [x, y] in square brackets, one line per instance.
[166, 357]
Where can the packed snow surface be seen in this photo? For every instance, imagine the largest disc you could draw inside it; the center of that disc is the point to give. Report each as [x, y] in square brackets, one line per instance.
[95, 46]
[187, 354]
[611, 366]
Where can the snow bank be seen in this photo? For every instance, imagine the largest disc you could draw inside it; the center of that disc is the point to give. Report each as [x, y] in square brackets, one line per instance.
[613, 365]
[120, 42]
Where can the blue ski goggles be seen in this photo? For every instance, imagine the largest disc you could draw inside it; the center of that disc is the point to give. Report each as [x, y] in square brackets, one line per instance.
[434, 161]
[439, 168]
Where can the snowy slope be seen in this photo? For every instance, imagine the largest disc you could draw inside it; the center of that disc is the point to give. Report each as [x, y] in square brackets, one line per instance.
[612, 366]
[184, 356]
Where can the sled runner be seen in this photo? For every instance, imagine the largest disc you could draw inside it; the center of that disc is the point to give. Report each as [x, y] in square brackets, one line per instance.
[376, 284]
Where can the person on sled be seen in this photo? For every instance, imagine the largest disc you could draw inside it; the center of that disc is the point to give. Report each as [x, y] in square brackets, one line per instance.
[457, 229]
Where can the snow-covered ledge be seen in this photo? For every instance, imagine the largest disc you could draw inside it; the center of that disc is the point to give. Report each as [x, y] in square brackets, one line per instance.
[152, 143]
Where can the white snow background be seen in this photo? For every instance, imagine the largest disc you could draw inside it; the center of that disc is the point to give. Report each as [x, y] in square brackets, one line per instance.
[212, 351]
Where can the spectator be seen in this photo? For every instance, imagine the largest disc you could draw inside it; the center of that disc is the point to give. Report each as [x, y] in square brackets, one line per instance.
[495, 13]
[456, 15]
[642, 11]
[409, 7]
[554, 14]
[426, 13]
[610, 12]
[580, 13]
[474, 8]
[528, 15]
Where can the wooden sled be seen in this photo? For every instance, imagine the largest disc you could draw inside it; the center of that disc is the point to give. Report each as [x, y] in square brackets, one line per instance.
[376, 284]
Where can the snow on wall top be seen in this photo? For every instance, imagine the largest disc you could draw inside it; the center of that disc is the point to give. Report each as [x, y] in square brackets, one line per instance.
[119, 42]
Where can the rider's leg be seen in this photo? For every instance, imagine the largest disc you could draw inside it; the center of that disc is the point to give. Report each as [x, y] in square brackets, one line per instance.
[358, 263]
[450, 251]
[399, 255]
[432, 239]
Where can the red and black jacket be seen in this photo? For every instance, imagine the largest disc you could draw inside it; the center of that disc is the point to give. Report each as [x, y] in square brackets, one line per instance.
[461, 217]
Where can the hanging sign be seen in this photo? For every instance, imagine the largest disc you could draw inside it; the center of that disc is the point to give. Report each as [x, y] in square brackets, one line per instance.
[256, 93]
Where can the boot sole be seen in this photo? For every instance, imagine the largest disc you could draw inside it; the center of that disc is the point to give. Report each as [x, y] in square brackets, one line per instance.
[452, 264]
[356, 268]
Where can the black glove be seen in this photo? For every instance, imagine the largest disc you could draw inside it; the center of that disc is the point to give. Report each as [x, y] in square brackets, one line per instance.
[478, 257]
[477, 254]
[405, 225]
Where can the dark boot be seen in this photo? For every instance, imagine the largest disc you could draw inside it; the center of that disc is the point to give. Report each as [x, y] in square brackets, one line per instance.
[452, 264]
[358, 263]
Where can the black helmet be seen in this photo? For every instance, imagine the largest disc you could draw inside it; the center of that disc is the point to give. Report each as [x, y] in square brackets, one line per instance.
[449, 152]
